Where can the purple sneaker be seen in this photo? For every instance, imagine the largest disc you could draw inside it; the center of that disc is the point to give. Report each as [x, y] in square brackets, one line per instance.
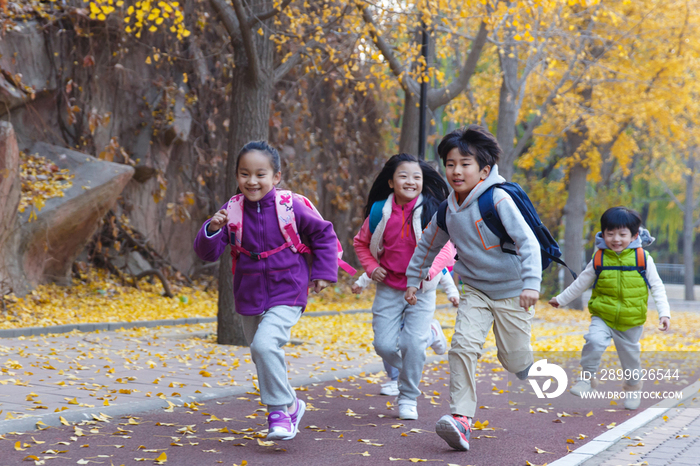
[296, 415]
[280, 426]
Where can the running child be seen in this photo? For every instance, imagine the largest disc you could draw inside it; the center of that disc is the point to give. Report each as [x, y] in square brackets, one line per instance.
[620, 273]
[499, 288]
[271, 277]
[402, 200]
[391, 388]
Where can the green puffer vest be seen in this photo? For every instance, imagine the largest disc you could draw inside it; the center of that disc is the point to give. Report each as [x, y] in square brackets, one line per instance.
[620, 296]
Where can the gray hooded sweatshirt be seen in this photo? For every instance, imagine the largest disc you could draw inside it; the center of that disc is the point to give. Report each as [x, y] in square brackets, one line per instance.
[482, 264]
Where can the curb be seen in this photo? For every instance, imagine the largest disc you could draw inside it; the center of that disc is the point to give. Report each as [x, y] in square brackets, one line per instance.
[31, 331]
[109, 326]
[611, 437]
[28, 424]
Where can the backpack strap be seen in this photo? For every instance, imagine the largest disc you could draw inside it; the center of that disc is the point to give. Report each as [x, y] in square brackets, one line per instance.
[640, 265]
[375, 215]
[641, 261]
[597, 265]
[489, 215]
[441, 217]
[285, 218]
[284, 205]
[234, 211]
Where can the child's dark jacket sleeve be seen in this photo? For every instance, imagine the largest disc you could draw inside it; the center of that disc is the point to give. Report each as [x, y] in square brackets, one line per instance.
[210, 247]
[319, 236]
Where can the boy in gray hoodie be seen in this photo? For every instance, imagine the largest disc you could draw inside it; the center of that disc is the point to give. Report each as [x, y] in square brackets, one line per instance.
[499, 288]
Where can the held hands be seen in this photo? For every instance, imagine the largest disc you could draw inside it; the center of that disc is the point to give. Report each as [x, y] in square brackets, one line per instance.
[553, 302]
[528, 298]
[356, 289]
[664, 324]
[410, 295]
[454, 301]
[319, 285]
[217, 221]
[378, 274]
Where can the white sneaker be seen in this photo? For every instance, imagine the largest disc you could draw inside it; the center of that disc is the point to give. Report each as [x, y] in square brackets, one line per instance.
[391, 388]
[582, 386]
[439, 341]
[408, 410]
[633, 395]
[635, 401]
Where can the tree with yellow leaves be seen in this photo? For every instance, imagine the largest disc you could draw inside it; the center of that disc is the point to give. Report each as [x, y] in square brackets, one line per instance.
[398, 24]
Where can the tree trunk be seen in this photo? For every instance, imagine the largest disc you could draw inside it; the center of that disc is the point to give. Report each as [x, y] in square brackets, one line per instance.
[575, 212]
[688, 230]
[408, 143]
[250, 115]
[508, 108]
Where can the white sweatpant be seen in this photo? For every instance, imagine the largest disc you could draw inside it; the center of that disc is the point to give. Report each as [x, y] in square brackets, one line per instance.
[403, 349]
[626, 343]
[266, 334]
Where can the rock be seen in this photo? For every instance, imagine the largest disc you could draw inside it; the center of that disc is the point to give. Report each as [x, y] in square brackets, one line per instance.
[132, 262]
[10, 193]
[26, 68]
[50, 243]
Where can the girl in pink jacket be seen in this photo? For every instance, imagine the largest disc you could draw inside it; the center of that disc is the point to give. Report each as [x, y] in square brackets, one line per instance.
[402, 201]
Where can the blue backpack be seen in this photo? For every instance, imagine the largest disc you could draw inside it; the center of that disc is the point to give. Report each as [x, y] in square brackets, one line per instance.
[549, 248]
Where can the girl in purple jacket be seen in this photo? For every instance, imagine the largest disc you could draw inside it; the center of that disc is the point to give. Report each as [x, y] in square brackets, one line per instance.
[270, 293]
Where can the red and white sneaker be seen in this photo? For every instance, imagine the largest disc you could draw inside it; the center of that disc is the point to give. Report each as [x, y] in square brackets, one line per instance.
[455, 430]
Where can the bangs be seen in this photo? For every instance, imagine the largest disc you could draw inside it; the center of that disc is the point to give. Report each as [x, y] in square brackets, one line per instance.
[621, 217]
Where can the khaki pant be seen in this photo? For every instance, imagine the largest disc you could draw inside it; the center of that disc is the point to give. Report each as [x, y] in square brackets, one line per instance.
[475, 316]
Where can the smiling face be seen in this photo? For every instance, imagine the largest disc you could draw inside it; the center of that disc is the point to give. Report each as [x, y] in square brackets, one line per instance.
[618, 239]
[463, 173]
[407, 182]
[255, 176]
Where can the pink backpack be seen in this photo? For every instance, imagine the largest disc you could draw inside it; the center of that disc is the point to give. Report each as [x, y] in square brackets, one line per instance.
[287, 224]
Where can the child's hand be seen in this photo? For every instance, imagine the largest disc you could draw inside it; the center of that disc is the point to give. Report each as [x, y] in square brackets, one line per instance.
[410, 295]
[455, 301]
[319, 285]
[553, 302]
[218, 221]
[378, 274]
[664, 324]
[528, 298]
[356, 289]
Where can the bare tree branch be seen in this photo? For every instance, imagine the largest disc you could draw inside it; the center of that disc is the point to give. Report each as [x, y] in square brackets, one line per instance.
[439, 97]
[228, 18]
[523, 141]
[248, 44]
[269, 14]
[408, 84]
[670, 193]
[282, 70]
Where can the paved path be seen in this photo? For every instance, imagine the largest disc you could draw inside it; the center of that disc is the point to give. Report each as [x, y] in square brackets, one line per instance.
[348, 423]
[672, 440]
[158, 389]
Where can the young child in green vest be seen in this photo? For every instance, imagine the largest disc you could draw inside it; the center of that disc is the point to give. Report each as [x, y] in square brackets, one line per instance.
[620, 273]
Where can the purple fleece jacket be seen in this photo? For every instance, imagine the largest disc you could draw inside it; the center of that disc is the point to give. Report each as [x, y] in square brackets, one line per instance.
[283, 278]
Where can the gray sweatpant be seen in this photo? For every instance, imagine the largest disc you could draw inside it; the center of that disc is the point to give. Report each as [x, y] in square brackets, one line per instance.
[403, 349]
[266, 334]
[626, 343]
